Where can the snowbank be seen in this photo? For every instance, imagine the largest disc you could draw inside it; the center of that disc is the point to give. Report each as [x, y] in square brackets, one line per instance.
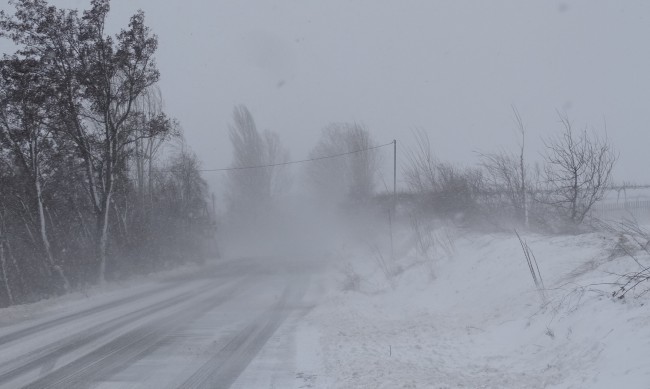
[463, 312]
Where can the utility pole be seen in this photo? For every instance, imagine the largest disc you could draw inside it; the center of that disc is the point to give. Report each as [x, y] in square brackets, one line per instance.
[394, 174]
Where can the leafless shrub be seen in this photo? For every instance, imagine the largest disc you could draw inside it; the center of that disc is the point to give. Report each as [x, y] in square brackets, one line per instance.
[634, 242]
[424, 241]
[577, 171]
[509, 175]
[631, 281]
[431, 242]
[639, 235]
[444, 189]
[420, 173]
[446, 242]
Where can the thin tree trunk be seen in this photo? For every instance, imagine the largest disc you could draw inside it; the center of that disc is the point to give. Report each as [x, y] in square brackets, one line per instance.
[44, 238]
[5, 277]
[83, 225]
[122, 221]
[35, 170]
[150, 153]
[103, 238]
[7, 251]
[29, 231]
[574, 200]
[522, 165]
[110, 156]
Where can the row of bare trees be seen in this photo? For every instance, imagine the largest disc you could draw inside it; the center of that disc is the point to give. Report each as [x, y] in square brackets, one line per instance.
[341, 169]
[87, 188]
[576, 172]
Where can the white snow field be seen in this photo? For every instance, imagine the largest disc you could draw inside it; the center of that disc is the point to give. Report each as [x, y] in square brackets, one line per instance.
[466, 314]
[453, 309]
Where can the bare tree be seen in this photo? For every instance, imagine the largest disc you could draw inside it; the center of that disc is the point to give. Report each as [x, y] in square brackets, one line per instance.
[253, 181]
[81, 124]
[24, 128]
[523, 187]
[97, 79]
[352, 176]
[147, 139]
[577, 171]
[184, 175]
[420, 172]
[279, 176]
[509, 175]
[443, 188]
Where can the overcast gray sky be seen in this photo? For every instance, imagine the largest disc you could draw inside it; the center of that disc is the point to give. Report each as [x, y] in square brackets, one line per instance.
[452, 68]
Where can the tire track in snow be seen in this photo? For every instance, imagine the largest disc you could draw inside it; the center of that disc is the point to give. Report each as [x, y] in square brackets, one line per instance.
[122, 351]
[178, 279]
[47, 355]
[223, 369]
[24, 332]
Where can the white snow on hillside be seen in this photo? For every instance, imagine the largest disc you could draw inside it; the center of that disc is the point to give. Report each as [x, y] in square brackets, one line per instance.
[470, 317]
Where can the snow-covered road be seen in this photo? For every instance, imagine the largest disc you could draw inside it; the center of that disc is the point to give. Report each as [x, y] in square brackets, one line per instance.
[191, 331]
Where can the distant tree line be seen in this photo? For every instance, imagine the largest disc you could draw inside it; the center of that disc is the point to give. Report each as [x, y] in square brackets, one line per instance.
[95, 180]
[503, 191]
[341, 170]
[506, 191]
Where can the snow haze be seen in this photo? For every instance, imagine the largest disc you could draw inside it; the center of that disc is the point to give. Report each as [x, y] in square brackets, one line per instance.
[235, 223]
[451, 68]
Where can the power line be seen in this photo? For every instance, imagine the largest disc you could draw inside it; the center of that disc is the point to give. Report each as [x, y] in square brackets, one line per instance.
[295, 162]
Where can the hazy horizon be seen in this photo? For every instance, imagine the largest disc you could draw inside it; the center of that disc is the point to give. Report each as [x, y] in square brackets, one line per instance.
[451, 68]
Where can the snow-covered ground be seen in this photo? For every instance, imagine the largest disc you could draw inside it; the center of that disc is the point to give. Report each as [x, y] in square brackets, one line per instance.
[438, 308]
[463, 312]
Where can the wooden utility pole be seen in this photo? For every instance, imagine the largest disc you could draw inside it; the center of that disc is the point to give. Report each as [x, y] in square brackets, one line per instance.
[394, 174]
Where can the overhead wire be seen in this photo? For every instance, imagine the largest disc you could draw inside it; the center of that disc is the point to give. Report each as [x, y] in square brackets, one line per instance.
[295, 162]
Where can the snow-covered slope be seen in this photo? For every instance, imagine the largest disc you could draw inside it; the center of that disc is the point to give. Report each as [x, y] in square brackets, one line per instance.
[464, 313]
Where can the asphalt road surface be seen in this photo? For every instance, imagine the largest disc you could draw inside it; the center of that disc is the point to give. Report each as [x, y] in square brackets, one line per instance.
[200, 330]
